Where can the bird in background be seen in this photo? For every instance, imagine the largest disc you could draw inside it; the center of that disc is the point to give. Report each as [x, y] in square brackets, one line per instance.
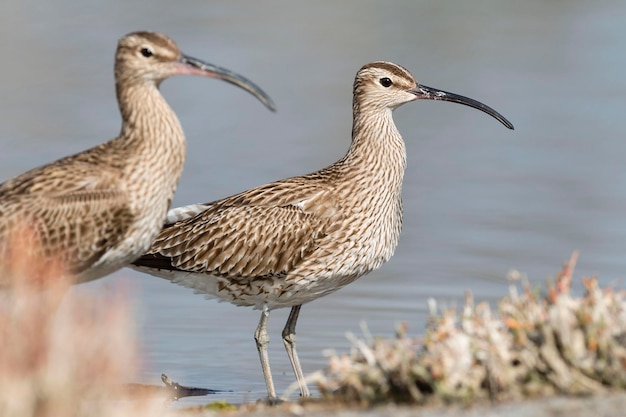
[99, 209]
[292, 241]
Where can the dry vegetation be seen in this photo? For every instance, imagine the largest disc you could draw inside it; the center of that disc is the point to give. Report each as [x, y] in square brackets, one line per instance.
[540, 344]
[64, 352]
[69, 353]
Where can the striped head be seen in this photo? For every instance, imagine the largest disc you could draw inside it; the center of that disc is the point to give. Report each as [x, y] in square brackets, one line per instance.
[381, 85]
[147, 55]
[152, 57]
[386, 86]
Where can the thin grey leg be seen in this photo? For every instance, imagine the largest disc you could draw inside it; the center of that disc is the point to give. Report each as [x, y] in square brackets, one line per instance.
[289, 340]
[262, 340]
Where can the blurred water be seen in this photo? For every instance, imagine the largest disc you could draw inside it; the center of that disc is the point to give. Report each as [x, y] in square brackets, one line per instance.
[479, 199]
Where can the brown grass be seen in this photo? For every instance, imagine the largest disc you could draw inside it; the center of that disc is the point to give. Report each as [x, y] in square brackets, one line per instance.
[63, 352]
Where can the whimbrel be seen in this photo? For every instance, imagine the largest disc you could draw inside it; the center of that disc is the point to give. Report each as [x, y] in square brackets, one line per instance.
[101, 208]
[292, 241]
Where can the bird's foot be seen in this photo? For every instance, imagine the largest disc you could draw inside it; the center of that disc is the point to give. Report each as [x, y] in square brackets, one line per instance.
[271, 401]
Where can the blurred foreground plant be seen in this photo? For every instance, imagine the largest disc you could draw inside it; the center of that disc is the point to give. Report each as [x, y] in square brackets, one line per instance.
[63, 351]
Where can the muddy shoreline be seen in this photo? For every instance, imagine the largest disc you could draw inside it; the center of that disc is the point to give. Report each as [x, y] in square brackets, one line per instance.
[609, 405]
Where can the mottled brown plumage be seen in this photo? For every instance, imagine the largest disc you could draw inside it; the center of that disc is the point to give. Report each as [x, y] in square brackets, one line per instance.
[291, 241]
[99, 209]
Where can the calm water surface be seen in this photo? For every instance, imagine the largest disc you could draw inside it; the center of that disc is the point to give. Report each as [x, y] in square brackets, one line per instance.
[479, 199]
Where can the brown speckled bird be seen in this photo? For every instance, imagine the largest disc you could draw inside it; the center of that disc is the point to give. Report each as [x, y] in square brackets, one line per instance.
[292, 241]
[98, 210]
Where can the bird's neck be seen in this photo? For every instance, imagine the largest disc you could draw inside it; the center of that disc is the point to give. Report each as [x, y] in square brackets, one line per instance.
[146, 116]
[151, 137]
[377, 146]
[371, 175]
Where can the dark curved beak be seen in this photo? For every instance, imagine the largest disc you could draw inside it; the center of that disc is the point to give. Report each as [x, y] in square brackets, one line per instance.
[198, 67]
[428, 93]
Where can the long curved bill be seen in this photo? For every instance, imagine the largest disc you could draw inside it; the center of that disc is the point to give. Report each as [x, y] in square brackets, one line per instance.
[428, 93]
[198, 67]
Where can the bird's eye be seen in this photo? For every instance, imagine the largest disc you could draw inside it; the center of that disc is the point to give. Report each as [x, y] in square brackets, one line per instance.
[147, 52]
[385, 82]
